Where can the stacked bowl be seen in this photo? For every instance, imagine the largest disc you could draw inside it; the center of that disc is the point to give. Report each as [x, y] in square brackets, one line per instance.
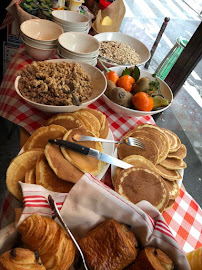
[71, 21]
[78, 46]
[40, 38]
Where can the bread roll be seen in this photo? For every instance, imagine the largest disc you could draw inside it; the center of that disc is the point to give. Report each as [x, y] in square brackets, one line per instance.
[109, 246]
[20, 259]
[54, 245]
[195, 259]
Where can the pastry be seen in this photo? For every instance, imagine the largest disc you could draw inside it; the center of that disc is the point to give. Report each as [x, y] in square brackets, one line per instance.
[46, 177]
[173, 164]
[195, 259]
[83, 162]
[173, 188]
[20, 259]
[171, 175]
[40, 137]
[151, 151]
[30, 176]
[157, 132]
[67, 120]
[109, 246]
[180, 153]
[56, 249]
[174, 140]
[18, 168]
[60, 165]
[137, 184]
[151, 258]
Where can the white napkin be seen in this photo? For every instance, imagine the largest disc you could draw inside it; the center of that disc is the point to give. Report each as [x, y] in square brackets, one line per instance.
[90, 202]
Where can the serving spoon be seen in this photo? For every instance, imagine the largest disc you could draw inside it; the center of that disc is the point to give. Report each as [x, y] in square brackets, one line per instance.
[113, 61]
[71, 91]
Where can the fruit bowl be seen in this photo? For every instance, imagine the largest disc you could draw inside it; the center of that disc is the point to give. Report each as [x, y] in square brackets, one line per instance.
[165, 90]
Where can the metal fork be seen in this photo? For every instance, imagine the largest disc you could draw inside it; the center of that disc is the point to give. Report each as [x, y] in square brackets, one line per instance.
[58, 215]
[129, 141]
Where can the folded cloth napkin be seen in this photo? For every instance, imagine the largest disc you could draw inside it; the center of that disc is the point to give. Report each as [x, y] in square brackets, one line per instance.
[90, 202]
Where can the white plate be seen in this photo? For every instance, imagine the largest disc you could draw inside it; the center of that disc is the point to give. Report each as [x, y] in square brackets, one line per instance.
[113, 167]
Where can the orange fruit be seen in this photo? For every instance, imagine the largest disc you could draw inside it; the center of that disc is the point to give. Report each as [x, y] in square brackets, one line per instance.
[126, 82]
[143, 102]
[112, 76]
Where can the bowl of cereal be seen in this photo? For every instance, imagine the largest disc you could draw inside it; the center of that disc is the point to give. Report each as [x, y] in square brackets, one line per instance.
[45, 85]
[122, 49]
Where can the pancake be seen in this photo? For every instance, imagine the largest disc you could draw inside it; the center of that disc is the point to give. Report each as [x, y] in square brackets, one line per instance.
[30, 176]
[136, 161]
[170, 204]
[173, 164]
[90, 121]
[60, 165]
[151, 153]
[156, 132]
[66, 120]
[46, 177]
[18, 168]
[171, 175]
[136, 184]
[174, 140]
[180, 153]
[104, 125]
[40, 137]
[83, 162]
[173, 189]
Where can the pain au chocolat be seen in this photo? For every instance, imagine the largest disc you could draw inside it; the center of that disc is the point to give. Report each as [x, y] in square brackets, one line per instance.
[21, 259]
[55, 247]
[109, 246]
[136, 184]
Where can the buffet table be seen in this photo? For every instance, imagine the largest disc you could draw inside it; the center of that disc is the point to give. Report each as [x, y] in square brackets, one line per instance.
[184, 218]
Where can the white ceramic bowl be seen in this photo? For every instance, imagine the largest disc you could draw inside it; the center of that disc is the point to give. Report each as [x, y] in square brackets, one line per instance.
[79, 43]
[165, 90]
[38, 53]
[134, 43]
[67, 53]
[37, 44]
[72, 28]
[43, 30]
[99, 85]
[70, 18]
[92, 61]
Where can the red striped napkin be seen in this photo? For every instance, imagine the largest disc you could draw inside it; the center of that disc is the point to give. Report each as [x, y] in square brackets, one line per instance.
[90, 202]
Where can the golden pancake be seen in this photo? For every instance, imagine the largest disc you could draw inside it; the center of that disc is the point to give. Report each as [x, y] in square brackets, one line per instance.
[174, 140]
[18, 167]
[66, 120]
[170, 204]
[173, 164]
[83, 162]
[136, 184]
[30, 176]
[46, 177]
[104, 125]
[40, 137]
[173, 188]
[60, 165]
[180, 153]
[151, 151]
[171, 175]
[136, 161]
[90, 121]
[158, 133]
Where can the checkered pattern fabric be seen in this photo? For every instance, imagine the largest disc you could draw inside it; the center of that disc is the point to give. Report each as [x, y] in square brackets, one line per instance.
[184, 218]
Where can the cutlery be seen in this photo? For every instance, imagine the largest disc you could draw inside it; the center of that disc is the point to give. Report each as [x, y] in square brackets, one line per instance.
[58, 215]
[129, 141]
[71, 91]
[113, 61]
[91, 152]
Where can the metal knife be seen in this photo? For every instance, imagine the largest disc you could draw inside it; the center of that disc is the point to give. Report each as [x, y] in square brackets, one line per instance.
[91, 152]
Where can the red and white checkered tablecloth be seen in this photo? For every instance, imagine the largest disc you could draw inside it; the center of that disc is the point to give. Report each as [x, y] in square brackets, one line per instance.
[184, 218]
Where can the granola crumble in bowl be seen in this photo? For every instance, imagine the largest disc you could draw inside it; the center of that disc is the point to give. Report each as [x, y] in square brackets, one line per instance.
[45, 85]
[122, 49]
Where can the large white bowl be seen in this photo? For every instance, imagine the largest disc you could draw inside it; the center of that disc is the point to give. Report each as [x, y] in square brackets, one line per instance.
[165, 90]
[40, 29]
[72, 55]
[134, 43]
[36, 43]
[70, 18]
[79, 43]
[99, 86]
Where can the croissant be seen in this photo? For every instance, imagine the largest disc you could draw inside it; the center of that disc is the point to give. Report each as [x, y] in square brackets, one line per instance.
[20, 259]
[56, 249]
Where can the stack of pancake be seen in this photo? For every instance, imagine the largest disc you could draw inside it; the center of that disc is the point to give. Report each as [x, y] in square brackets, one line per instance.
[154, 174]
[56, 168]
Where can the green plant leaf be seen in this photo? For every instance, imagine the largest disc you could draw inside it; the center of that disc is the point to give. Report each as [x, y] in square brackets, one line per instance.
[126, 71]
[136, 73]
